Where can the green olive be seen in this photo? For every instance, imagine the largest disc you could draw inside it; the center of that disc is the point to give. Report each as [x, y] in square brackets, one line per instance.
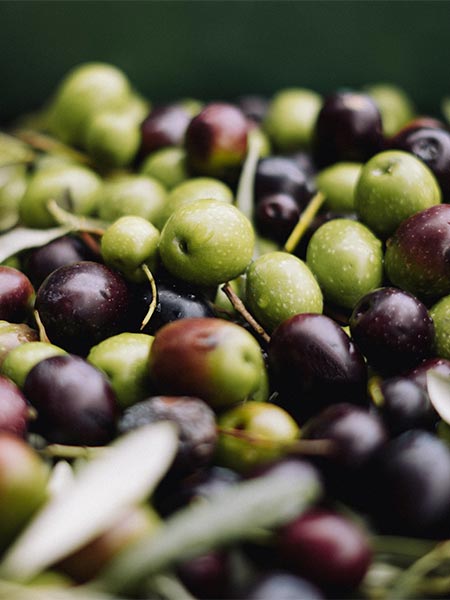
[129, 243]
[13, 185]
[278, 286]
[347, 261]
[112, 139]
[198, 188]
[167, 165]
[53, 183]
[394, 105]
[291, 118]
[20, 360]
[338, 183]
[254, 433]
[137, 195]
[440, 313]
[124, 359]
[87, 90]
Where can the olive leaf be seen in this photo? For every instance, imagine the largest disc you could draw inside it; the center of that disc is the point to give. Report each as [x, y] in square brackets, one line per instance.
[124, 474]
[14, 591]
[75, 222]
[244, 194]
[438, 386]
[24, 238]
[236, 514]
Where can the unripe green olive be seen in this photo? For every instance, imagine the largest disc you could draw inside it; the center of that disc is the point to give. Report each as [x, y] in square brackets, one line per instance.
[440, 313]
[197, 188]
[338, 182]
[167, 165]
[129, 243]
[23, 485]
[87, 89]
[13, 335]
[254, 433]
[112, 139]
[137, 195]
[347, 261]
[278, 286]
[291, 118]
[53, 183]
[124, 359]
[394, 105]
[13, 184]
[20, 360]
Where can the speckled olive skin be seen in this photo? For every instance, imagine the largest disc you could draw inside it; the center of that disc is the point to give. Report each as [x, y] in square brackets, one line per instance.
[394, 185]
[346, 259]
[440, 313]
[278, 286]
[207, 242]
[417, 256]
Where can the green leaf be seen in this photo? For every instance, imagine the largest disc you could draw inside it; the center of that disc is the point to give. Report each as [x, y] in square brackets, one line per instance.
[24, 238]
[244, 194]
[124, 474]
[236, 514]
[438, 386]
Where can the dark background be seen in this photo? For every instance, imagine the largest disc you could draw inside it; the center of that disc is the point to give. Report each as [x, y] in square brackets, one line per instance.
[219, 49]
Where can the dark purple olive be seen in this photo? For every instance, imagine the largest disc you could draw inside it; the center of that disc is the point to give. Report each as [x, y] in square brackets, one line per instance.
[314, 364]
[393, 329]
[82, 304]
[405, 405]
[63, 251]
[207, 576]
[16, 295]
[282, 175]
[411, 486]
[327, 548]
[431, 145]
[196, 422]
[348, 128]
[164, 126]
[276, 215]
[74, 401]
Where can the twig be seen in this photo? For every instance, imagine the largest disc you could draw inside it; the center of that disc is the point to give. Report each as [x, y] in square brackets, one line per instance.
[43, 337]
[46, 143]
[151, 308]
[239, 306]
[304, 221]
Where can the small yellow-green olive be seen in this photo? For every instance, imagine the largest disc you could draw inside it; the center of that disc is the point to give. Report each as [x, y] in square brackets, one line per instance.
[394, 105]
[338, 183]
[291, 118]
[167, 165]
[112, 139]
[129, 243]
[440, 313]
[54, 183]
[124, 359]
[20, 360]
[13, 184]
[137, 195]
[87, 90]
[254, 433]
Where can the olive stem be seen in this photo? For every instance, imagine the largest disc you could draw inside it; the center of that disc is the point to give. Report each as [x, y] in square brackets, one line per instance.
[151, 308]
[168, 587]
[91, 243]
[244, 194]
[304, 221]
[43, 337]
[46, 143]
[375, 393]
[239, 306]
[77, 223]
[305, 447]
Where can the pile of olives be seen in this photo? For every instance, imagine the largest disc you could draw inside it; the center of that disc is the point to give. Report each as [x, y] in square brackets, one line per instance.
[270, 274]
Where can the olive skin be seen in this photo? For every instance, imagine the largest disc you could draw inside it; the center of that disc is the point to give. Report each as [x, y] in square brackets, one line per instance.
[16, 295]
[314, 364]
[74, 401]
[81, 305]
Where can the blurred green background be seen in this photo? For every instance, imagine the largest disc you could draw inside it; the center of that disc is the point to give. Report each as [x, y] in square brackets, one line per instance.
[220, 49]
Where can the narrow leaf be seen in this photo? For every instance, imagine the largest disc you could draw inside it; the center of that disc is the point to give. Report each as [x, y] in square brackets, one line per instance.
[244, 195]
[123, 475]
[439, 392]
[24, 238]
[14, 591]
[234, 515]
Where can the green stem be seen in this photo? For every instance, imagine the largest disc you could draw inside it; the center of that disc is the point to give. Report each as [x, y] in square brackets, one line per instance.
[304, 221]
[72, 452]
[151, 308]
